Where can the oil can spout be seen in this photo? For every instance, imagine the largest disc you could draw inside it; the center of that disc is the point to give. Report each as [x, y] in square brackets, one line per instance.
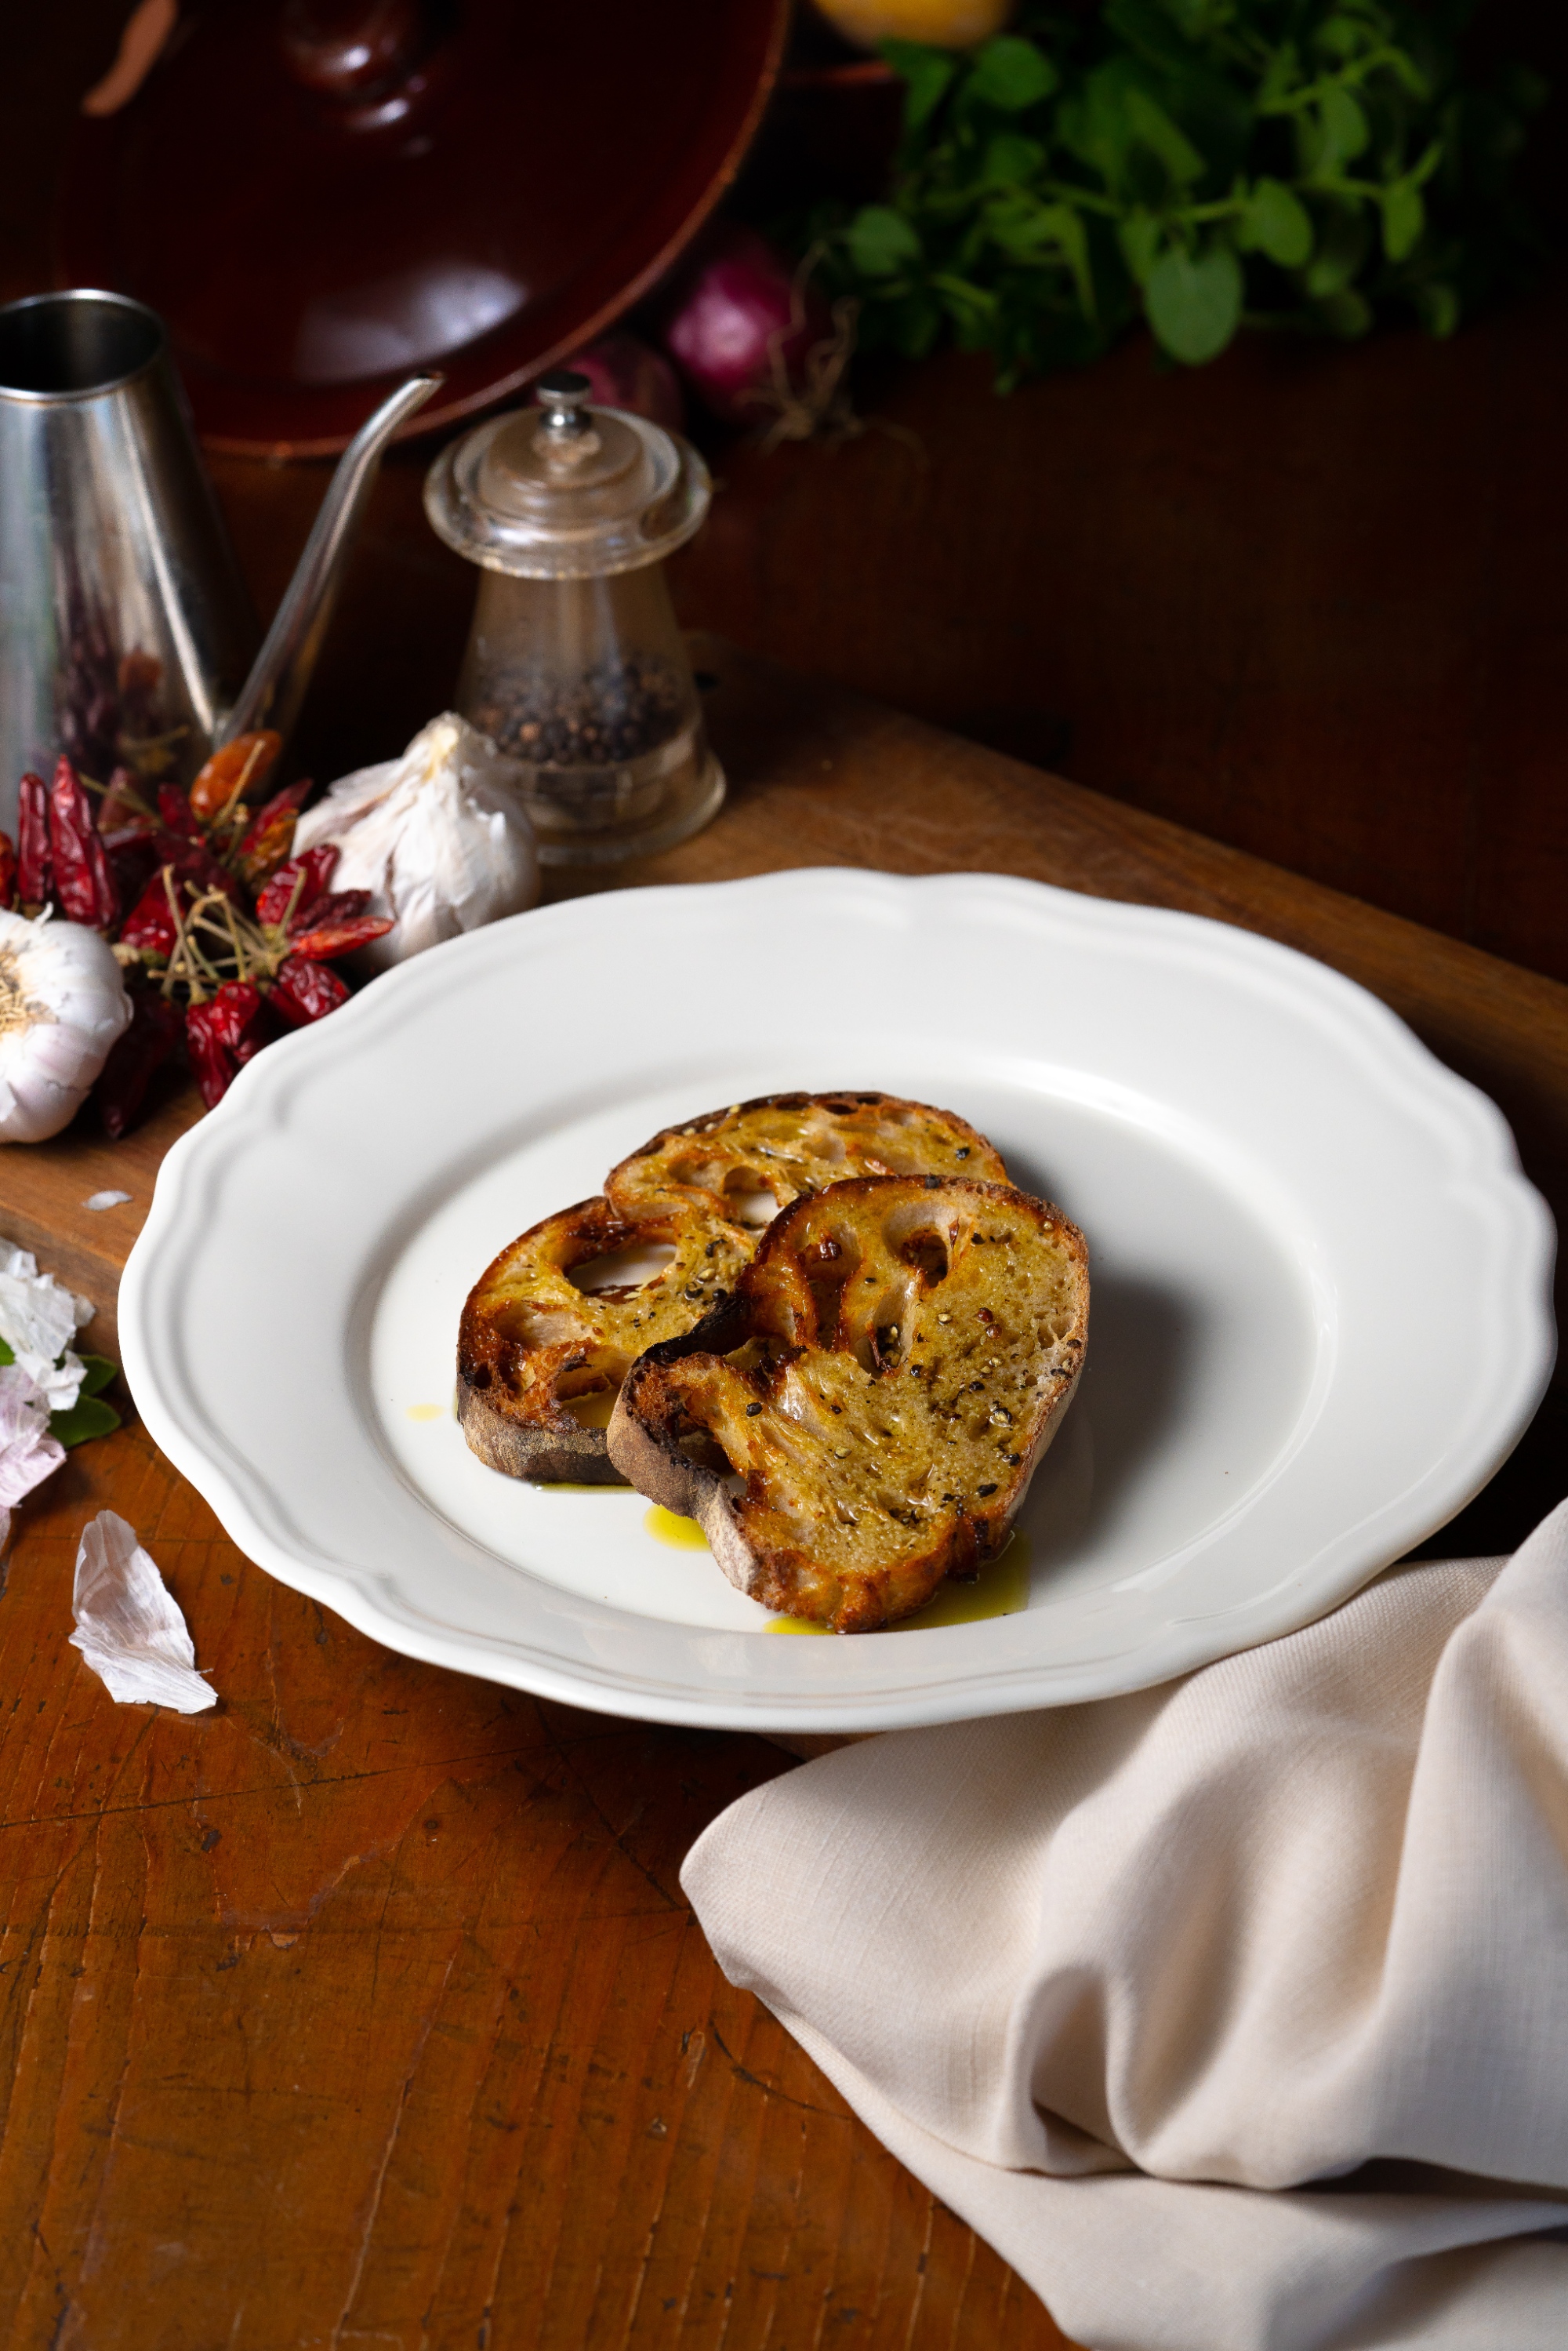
[275, 689]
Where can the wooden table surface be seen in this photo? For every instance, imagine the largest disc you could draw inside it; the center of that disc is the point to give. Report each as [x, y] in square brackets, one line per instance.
[366, 2008]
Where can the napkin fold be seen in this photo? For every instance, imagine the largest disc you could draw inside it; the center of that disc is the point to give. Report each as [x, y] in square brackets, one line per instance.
[1233, 2013]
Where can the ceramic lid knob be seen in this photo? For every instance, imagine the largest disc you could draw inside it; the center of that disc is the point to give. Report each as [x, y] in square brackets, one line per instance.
[352, 48]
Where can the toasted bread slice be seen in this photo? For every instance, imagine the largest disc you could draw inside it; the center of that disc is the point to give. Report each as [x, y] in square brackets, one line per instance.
[863, 1416]
[539, 1358]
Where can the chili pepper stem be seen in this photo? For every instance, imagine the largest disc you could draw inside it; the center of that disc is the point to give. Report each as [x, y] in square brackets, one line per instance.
[132, 798]
[233, 933]
[179, 966]
[245, 773]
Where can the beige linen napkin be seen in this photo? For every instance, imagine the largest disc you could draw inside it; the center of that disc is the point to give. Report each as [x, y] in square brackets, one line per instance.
[1234, 2014]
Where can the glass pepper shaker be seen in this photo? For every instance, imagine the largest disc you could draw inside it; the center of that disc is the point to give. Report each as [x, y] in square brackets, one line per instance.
[575, 667]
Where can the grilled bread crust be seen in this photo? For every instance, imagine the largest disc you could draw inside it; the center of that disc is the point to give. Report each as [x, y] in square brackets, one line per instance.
[862, 1418]
[539, 1361]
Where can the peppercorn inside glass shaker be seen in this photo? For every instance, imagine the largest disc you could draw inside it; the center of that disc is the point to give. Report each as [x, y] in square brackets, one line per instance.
[575, 667]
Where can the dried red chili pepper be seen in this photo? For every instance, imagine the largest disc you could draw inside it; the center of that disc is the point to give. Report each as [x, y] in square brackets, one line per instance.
[124, 811]
[304, 992]
[271, 836]
[335, 906]
[215, 1065]
[83, 882]
[239, 1018]
[133, 1057]
[149, 926]
[225, 1032]
[193, 862]
[7, 871]
[35, 873]
[314, 870]
[175, 810]
[332, 939]
[132, 863]
[239, 767]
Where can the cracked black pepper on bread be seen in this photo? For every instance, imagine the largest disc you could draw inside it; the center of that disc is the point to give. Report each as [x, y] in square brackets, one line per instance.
[862, 1418]
[541, 1358]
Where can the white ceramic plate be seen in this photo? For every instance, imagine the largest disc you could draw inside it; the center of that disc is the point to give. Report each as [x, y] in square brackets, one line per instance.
[1319, 1314]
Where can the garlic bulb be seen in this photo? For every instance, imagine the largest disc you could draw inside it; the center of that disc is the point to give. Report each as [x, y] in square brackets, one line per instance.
[440, 838]
[62, 1005]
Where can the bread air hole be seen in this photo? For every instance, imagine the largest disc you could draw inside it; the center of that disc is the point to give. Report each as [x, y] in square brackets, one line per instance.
[696, 1175]
[747, 1199]
[588, 1391]
[925, 1254]
[700, 1445]
[624, 1270]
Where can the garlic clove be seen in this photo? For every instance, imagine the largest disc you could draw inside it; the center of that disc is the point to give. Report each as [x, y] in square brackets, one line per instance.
[440, 838]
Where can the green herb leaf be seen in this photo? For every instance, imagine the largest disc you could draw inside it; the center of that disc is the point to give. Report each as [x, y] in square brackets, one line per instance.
[1140, 237]
[965, 301]
[1280, 76]
[1192, 160]
[1195, 302]
[1037, 235]
[1011, 159]
[1152, 127]
[1404, 218]
[927, 74]
[1341, 36]
[1343, 242]
[1275, 221]
[1342, 130]
[1147, 27]
[1346, 313]
[1010, 73]
[1438, 306]
[7, 1355]
[882, 242]
[88, 1416]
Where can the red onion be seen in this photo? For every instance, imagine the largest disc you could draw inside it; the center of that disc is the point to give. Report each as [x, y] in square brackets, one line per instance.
[626, 372]
[730, 309]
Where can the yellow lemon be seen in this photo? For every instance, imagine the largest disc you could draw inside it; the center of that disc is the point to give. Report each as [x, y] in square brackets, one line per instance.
[945, 24]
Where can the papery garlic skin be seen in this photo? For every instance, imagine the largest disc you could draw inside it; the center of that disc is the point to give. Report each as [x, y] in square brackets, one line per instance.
[62, 1005]
[129, 1627]
[38, 1319]
[440, 838]
[28, 1454]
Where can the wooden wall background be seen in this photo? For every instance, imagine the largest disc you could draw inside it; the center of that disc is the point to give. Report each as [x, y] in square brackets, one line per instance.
[1312, 600]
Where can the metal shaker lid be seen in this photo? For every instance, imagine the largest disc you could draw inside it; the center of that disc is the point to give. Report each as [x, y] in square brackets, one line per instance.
[567, 491]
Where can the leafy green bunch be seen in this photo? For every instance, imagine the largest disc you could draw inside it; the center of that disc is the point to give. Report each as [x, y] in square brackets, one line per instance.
[1209, 162]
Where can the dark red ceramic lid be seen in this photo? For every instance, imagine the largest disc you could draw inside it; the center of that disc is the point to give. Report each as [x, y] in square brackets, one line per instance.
[321, 197]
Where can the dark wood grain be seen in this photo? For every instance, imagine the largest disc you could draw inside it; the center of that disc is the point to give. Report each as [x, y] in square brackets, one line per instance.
[367, 2009]
[1309, 600]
